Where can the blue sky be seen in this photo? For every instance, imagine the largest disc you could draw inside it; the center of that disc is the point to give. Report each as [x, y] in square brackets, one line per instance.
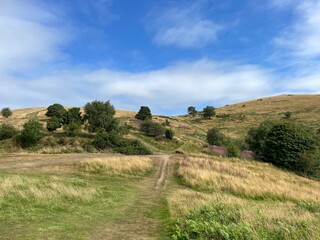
[166, 54]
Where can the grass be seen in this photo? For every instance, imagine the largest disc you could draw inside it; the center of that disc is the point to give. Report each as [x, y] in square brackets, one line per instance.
[249, 179]
[118, 165]
[269, 203]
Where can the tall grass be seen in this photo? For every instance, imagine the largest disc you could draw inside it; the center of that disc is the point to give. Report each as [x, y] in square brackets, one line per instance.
[118, 165]
[37, 189]
[247, 178]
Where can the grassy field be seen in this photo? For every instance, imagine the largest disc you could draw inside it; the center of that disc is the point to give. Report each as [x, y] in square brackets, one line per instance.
[73, 202]
[46, 195]
[270, 203]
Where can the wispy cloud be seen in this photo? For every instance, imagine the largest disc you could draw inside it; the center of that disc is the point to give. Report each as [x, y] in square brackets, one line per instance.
[30, 35]
[164, 90]
[184, 25]
[303, 37]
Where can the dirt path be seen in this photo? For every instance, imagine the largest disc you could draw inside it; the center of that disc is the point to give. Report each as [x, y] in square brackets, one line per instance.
[163, 172]
[139, 219]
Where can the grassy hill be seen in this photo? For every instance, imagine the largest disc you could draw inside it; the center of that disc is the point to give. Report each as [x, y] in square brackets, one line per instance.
[109, 196]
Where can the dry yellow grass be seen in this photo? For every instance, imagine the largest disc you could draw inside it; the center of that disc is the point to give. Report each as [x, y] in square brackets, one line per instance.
[118, 165]
[242, 116]
[40, 189]
[247, 178]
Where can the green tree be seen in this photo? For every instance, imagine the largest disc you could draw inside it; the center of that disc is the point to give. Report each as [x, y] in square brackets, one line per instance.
[286, 142]
[144, 113]
[72, 129]
[209, 112]
[216, 137]
[192, 111]
[73, 115]
[100, 116]
[53, 124]
[7, 131]
[6, 112]
[152, 129]
[169, 134]
[32, 133]
[257, 136]
[56, 110]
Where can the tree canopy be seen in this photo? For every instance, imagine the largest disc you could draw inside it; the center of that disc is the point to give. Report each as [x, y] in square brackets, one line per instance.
[99, 115]
[144, 113]
[209, 112]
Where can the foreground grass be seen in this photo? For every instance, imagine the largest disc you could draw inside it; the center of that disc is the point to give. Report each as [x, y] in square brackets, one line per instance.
[118, 165]
[65, 202]
[237, 199]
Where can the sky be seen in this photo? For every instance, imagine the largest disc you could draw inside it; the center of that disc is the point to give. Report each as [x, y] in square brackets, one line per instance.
[165, 54]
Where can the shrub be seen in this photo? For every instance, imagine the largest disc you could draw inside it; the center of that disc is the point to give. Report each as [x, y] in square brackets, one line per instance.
[114, 140]
[144, 113]
[6, 112]
[169, 134]
[73, 115]
[100, 116]
[72, 129]
[53, 124]
[257, 136]
[56, 110]
[218, 221]
[233, 150]
[31, 134]
[215, 137]
[152, 129]
[286, 142]
[192, 111]
[7, 131]
[287, 115]
[209, 112]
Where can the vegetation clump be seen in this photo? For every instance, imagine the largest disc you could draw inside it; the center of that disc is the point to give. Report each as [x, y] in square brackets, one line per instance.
[152, 129]
[216, 221]
[7, 131]
[31, 134]
[216, 137]
[144, 113]
[100, 116]
[192, 111]
[209, 112]
[6, 112]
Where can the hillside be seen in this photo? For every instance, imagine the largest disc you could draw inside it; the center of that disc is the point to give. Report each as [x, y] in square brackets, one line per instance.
[190, 132]
[87, 194]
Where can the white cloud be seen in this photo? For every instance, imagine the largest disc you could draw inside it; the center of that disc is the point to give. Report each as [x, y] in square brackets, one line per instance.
[29, 35]
[184, 26]
[164, 90]
[303, 38]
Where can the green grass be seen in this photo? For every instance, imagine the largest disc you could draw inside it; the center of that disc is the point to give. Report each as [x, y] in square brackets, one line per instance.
[59, 215]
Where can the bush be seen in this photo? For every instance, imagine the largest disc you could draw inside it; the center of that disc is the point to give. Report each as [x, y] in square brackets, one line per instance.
[113, 140]
[53, 124]
[72, 129]
[169, 134]
[257, 136]
[233, 150]
[209, 112]
[144, 113]
[7, 131]
[215, 137]
[152, 129]
[100, 116]
[31, 134]
[6, 112]
[56, 110]
[218, 221]
[192, 111]
[286, 142]
[73, 115]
